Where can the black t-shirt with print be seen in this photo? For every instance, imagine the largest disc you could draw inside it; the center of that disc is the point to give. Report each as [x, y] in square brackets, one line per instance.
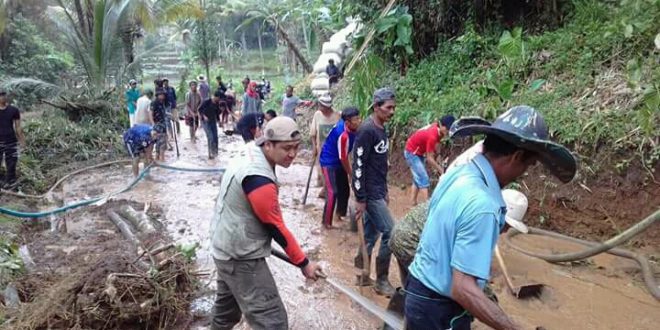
[370, 162]
[7, 117]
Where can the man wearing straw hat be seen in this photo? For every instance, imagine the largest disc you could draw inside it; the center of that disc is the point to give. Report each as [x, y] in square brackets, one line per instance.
[467, 212]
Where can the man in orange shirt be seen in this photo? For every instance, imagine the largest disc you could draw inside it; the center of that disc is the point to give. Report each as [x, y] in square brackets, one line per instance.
[420, 149]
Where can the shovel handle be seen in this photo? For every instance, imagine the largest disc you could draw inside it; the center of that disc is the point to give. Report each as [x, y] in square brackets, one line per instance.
[505, 271]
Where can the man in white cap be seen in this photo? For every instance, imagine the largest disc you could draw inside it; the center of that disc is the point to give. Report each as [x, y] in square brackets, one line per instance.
[325, 118]
[247, 217]
[204, 89]
[466, 214]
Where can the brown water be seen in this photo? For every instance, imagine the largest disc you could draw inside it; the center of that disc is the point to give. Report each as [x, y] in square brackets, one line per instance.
[604, 293]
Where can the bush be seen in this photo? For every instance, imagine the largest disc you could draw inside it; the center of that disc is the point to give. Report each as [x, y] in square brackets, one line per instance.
[53, 141]
[29, 54]
[595, 79]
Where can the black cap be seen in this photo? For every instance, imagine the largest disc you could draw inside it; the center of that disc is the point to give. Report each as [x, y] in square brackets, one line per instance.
[3, 92]
[219, 94]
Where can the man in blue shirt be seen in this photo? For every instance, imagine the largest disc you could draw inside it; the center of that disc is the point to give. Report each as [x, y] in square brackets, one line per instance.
[336, 166]
[466, 216]
[139, 141]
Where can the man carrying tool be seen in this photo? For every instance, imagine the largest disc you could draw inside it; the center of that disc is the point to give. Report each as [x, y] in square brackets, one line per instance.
[323, 121]
[336, 166]
[405, 238]
[139, 141]
[171, 105]
[159, 118]
[466, 214]
[370, 186]
[420, 150]
[247, 217]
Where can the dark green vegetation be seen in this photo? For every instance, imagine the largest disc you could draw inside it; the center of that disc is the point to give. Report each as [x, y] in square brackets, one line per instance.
[596, 79]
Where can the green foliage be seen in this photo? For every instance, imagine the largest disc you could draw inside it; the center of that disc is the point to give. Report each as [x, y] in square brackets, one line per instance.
[11, 263]
[52, 140]
[595, 80]
[205, 43]
[30, 54]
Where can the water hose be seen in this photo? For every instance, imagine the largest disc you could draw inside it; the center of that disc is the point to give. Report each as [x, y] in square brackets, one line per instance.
[62, 179]
[602, 247]
[647, 272]
[20, 214]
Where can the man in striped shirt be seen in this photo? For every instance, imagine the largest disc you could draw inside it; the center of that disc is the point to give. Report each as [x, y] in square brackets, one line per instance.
[335, 165]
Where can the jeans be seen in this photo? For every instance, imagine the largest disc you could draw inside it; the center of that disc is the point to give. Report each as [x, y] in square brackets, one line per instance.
[418, 169]
[337, 193]
[211, 130]
[9, 152]
[378, 221]
[247, 287]
[426, 309]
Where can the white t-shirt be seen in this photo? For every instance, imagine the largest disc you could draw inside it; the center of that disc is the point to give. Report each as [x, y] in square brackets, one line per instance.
[143, 111]
[322, 125]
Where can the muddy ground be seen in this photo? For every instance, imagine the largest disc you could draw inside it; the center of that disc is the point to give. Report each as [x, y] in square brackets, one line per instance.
[604, 292]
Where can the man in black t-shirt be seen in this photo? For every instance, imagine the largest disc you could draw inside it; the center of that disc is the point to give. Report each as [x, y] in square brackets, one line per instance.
[370, 185]
[210, 113]
[11, 135]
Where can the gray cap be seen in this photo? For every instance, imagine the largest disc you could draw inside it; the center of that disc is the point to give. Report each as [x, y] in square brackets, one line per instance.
[383, 94]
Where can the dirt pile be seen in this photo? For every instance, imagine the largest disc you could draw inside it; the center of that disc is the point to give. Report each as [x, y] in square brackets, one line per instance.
[91, 277]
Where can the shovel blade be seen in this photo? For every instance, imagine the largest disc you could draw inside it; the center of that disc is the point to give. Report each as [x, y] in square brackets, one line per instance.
[527, 291]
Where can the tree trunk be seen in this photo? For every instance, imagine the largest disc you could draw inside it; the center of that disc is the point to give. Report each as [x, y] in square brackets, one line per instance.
[81, 17]
[261, 53]
[308, 45]
[294, 48]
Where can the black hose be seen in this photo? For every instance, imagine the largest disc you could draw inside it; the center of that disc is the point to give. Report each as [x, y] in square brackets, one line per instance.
[647, 273]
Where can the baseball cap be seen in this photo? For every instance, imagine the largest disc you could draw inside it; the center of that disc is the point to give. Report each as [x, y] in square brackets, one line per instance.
[326, 100]
[280, 129]
[132, 81]
[447, 120]
[383, 94]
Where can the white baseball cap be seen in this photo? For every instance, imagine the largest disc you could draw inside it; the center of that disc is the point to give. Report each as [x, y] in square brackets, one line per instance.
[516, 207]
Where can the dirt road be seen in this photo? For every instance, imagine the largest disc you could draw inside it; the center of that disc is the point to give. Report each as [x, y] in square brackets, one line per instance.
[603, 293]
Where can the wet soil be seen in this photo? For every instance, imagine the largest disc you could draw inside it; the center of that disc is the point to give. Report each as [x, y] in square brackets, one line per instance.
[603, 293]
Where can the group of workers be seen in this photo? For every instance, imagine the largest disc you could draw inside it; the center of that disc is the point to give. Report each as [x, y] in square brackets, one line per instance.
[443, 246]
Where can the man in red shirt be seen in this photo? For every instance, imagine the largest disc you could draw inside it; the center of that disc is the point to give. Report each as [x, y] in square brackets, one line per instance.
[247, 218]
[420, 149]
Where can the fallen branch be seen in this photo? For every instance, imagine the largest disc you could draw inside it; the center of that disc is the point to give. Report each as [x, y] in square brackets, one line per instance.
[123, 228]
[139, 220]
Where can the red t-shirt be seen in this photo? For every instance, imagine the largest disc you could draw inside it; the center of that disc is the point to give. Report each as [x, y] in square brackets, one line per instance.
[424, 140]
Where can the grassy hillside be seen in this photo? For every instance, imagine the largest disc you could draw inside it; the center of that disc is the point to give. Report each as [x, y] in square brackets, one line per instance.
[596, 79]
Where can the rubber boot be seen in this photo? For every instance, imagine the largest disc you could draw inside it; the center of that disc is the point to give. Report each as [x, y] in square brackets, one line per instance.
[383, 286]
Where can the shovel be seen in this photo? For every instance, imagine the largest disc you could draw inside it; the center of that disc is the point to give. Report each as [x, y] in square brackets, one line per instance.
[522, 291]
[388, 317]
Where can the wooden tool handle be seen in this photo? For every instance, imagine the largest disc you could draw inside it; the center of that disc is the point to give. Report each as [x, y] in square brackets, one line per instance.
[500, 260]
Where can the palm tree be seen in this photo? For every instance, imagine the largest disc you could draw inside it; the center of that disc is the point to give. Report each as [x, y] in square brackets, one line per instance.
[149, 14]
[275, 13]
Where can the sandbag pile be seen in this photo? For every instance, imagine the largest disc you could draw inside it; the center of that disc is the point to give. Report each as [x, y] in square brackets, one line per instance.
[338, 49]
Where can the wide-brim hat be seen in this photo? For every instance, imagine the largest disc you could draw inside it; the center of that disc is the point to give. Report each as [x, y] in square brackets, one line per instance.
[524, 127]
